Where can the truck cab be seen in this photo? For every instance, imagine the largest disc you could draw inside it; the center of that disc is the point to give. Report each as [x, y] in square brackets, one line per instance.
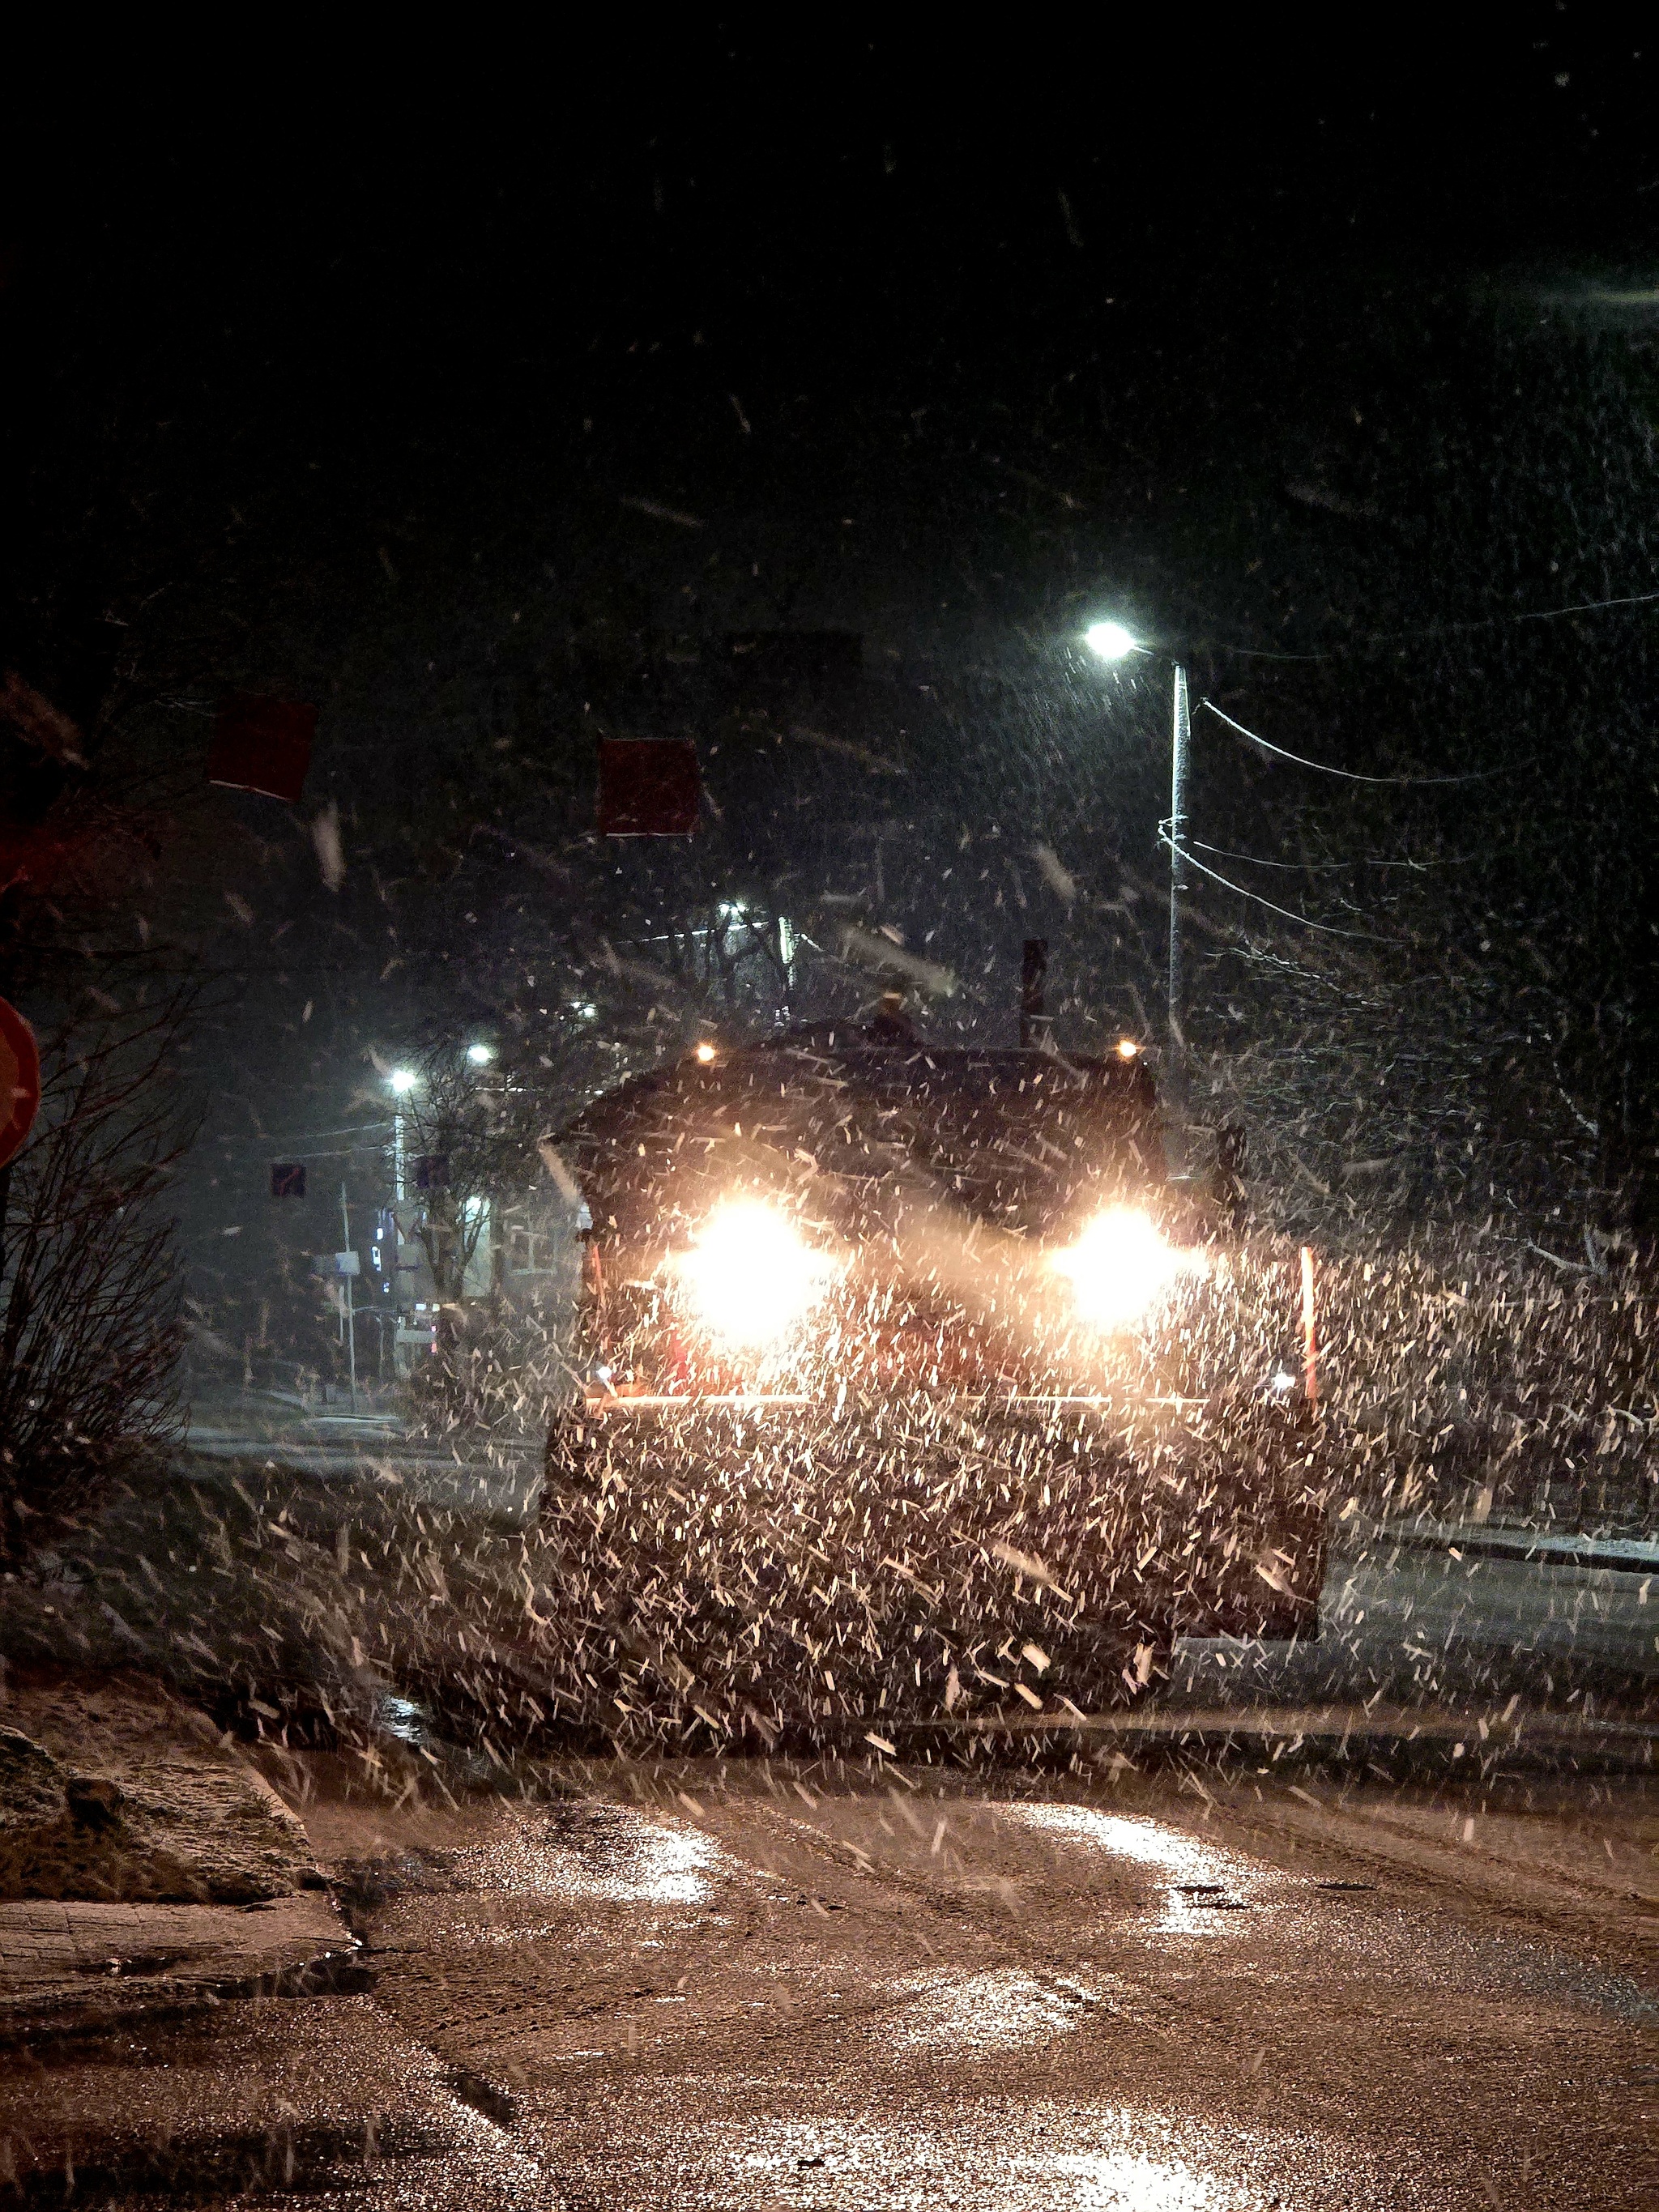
[951, 1298]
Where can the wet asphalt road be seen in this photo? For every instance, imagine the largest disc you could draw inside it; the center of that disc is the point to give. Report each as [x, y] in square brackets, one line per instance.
[752, 1990]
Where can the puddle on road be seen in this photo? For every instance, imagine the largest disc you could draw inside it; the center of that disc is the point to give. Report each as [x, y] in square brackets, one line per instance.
[1048, 2155]
[605, 1853]
[959, 2016]
[1208, 1887]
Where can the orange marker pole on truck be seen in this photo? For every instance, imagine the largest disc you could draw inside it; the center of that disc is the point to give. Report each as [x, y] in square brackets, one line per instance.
[1309, 1339]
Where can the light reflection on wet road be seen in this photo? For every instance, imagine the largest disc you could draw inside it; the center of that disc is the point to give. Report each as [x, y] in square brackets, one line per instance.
[1052, 2157]
[769, 1994]
[610, 1854]
[1145, 1842]
[1202, 1883]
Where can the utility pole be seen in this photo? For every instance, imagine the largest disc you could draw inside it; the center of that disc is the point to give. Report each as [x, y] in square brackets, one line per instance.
[350, 1318]
[1111, 641]
[1181, 744]
[1034, 968]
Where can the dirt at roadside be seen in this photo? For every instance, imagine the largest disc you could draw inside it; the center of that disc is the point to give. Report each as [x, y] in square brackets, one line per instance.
[112, 1789]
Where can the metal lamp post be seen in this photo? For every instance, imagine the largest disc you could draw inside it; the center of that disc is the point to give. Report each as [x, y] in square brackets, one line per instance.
[1109, 641]
[403, 1081]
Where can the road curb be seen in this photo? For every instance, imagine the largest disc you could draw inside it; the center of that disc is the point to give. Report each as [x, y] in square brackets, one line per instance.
[1473, 1541]
[1344, 1733]
[67, 1967]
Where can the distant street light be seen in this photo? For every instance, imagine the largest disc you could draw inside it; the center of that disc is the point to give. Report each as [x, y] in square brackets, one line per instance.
[1110, 641]
[403, 1081]
[481, 1055]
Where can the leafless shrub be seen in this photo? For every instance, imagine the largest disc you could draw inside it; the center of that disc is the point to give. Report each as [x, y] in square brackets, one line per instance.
[89, 1288]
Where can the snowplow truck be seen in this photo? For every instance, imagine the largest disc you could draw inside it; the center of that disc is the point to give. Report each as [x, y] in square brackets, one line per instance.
[913, 1386]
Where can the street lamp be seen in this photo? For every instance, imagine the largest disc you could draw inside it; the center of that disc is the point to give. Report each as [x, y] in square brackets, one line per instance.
[481, 1055]
[1110, 641]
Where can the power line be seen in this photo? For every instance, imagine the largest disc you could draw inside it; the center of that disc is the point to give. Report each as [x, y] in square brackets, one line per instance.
[1326, 928]
[1518, 615]
[1348, 774]
[1367, 638]
[302, 1136]
[1363, 860]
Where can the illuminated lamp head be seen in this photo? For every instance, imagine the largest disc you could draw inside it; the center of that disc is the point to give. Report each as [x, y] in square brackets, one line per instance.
[1109, 641]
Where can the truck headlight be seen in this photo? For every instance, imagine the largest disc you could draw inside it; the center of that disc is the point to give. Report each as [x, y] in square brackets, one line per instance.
[1120, 1266]
[750, 1279]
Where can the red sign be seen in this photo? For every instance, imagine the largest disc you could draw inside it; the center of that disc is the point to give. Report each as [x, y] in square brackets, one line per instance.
[19, 1080]
[648, 786]
[262, 744]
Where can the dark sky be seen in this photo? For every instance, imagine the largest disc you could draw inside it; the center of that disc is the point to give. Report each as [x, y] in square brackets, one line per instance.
[773, 276]
[366, 253]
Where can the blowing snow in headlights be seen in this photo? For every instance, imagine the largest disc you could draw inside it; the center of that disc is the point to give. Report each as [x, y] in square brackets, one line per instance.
[1121, 1266]
[750, 1278]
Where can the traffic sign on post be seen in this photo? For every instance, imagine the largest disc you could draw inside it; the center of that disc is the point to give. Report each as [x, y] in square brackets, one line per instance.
[19, 1081]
